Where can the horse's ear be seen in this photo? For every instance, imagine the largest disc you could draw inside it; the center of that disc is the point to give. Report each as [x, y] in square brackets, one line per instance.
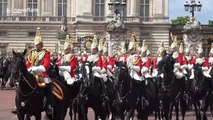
[24, 53]
[14, 53]
[116, 63]
[54, 61]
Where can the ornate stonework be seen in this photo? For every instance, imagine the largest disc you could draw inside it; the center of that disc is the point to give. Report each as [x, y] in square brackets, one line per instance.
[193, 33]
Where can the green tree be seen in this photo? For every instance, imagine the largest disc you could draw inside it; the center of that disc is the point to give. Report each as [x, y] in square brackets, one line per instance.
[211, 22]
[180, 20]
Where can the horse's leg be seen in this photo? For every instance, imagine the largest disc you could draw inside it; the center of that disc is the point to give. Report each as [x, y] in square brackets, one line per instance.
[38, 116]
[205, 106]
[20, 115]
[183, 105]
[166, 108]
[176, 109]
[197, 109]
[130, 114]
[171, 105]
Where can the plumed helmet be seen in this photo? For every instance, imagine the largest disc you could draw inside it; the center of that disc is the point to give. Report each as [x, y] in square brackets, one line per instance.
[181, 48]
[187, 49]
[68, 43]
[144, 47]
[132, 43]
[94, 42]
[38, 39]
[200, 48]
[161, 49]
[101, 45]
[174, 43]
[105, 48]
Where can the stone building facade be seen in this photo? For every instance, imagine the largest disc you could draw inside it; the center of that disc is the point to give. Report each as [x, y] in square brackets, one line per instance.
[148, 19]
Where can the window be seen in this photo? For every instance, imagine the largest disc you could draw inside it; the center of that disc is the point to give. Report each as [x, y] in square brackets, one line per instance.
[99, 8]
[31, 34]
[62, 7]
[3, 7]
[124, 10]
[32, 7]
[3, 33]
[144, 8]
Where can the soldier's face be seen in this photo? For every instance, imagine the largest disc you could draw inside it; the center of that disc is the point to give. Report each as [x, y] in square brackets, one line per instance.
[38, 47]
[94, 50]
[143, 54]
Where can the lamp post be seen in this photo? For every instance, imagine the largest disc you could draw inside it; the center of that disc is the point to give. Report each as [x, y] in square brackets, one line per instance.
[117, 6]
[193, 6]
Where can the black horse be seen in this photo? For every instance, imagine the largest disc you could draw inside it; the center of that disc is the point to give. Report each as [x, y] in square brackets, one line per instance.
[30, 98]
[5, 71]
[90, 94]
[200, 90]
[132, 94]
[172, 89]
[71, 90]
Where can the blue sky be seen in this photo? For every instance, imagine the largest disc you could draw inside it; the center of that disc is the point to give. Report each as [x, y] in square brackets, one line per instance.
[176, 8]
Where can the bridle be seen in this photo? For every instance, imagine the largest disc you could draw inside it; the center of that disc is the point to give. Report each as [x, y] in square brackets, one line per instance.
[22, 78]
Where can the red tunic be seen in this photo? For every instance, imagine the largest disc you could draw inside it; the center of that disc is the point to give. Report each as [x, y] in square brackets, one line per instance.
[72, 62]
[44, 60]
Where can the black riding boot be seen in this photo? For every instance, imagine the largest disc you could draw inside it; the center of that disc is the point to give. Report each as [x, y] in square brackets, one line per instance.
[49, 97]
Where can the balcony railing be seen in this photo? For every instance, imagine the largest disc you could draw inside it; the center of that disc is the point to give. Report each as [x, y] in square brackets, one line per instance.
[73, 19]
[34, 19]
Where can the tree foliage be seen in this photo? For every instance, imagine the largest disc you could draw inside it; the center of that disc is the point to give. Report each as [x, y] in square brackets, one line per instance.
[211, 22]
[182, 20]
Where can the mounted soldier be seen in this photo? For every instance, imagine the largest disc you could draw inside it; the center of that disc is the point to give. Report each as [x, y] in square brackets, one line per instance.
[97, 63]
[104, 56]
[160, 54]
[202, 61]
[211, 60]
[187, 61]
[68, 62]
[38, 61]
[134, 62]
[178, 57]
[146, 61]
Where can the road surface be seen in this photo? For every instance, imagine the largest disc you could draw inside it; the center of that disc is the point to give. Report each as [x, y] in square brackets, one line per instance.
[7, 103]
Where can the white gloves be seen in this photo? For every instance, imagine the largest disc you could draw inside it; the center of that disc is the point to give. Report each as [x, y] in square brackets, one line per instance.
[135, 68]
[103, 70]
[144, 70]
[37, 69]
[95, 68]
[65, 68]
[184, 66]
[177, 65]
[109, 67]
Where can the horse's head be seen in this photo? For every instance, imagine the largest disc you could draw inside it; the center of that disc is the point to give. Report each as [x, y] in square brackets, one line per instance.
[198, 71]
[86, 72]
[121, 72]
[166, 64]
[53, 70]
[18, 64]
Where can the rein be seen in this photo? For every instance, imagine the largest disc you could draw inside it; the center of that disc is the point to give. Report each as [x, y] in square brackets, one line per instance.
[25, 80]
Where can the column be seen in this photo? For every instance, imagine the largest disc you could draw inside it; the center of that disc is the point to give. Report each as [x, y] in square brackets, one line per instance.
[46, 8]
[73, 6]
[166, 8]
[25, 6]
[68, 8]
[55, 8]
[39, 8]
[158, 8]
[9, 8]
[133, 8]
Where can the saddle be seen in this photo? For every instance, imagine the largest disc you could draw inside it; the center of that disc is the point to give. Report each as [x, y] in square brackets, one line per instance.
[56, 90]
